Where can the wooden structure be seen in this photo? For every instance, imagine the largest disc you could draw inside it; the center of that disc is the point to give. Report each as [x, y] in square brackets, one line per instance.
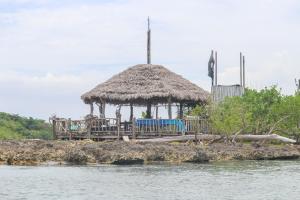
[146, 85]
[141, 85]
[220, 92]
[112, 128]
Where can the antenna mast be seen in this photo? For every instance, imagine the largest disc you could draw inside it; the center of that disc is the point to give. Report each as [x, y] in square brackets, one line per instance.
[244, 80]
[241, 69]
[297, 84]
[149, 43]
[216, 68]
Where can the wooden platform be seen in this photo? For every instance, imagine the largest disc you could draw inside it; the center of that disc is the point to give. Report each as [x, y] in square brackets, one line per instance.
[112, 128]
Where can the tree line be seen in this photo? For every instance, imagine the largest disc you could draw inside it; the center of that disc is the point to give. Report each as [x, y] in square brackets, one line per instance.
[16, 127]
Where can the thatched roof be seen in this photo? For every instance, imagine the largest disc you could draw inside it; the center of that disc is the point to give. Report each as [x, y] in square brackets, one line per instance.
[146, 83]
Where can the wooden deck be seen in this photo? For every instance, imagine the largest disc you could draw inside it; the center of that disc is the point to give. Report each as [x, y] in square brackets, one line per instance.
[112, 128]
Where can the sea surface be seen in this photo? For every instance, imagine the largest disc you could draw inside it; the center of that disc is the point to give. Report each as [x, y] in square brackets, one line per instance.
[218, 180]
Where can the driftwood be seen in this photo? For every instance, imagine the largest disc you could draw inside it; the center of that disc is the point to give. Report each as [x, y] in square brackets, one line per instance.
[216, 137]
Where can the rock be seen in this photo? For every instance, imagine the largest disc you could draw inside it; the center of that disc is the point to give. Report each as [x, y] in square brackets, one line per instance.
[32, 152]
[76, 156]
[155, 156]
[128, 161]
[255, 144]
[199, 157]
[10, 160]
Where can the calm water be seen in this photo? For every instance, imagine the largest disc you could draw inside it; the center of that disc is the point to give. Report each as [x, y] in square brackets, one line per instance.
[226, 180]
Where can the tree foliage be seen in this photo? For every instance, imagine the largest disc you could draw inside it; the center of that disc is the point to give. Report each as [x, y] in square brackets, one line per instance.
[198, 110]
[230, 116]
[16, 127]
[256, 112]
[289, 108]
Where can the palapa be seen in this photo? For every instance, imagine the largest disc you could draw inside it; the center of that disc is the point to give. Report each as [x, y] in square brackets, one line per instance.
[146, 83]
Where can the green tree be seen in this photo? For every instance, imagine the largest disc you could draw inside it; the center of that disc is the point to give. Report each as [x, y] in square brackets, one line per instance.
[288, 113]
[230, 117]
[255, 111]
[259, 104]
[199, 110]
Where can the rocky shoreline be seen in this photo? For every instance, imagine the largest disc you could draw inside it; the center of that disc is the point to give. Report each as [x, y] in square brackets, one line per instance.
[37, 152]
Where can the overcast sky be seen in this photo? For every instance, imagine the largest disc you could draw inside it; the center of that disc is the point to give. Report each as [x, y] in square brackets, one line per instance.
[52, 51]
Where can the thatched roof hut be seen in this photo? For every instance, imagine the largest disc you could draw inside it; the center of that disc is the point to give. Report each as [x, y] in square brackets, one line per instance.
[146, 83]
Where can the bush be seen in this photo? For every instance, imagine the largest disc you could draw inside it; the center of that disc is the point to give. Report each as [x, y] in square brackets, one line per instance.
[256, 112]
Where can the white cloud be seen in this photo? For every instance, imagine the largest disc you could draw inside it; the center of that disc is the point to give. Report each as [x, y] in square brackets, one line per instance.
[63, 50]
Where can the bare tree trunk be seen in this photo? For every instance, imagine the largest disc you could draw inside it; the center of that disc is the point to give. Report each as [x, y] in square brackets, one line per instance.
[276, 123]
[219, 137]
[235, 135]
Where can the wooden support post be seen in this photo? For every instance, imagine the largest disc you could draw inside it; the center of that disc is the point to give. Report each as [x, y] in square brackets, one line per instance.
[101, 106]
[156, 112]
[103, 109]
[180, 111]
[54, 129]
[170, 109]
[149, 43]
[133, 128]
[148, 112]
[118, 128]
[118, 118]
[68, 125]
[89, 127]
[131, 113]
[100, 110]
[158, 129]
[91, 108]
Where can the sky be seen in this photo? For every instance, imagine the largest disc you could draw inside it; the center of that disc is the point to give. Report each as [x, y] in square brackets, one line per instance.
[52, 51]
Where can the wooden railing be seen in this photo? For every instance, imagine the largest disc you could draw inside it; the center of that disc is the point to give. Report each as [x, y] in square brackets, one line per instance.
[107, 126]
[102, 128]
[196, 125]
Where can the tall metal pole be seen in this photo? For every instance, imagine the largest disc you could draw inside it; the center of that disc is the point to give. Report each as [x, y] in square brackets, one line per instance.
[148, 112]
[241, 69]
[149, 43]
[216, 68]
[244, 80]
[297, 82]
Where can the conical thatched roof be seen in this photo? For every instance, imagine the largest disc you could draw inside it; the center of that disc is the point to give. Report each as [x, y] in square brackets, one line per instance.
[146, 83]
